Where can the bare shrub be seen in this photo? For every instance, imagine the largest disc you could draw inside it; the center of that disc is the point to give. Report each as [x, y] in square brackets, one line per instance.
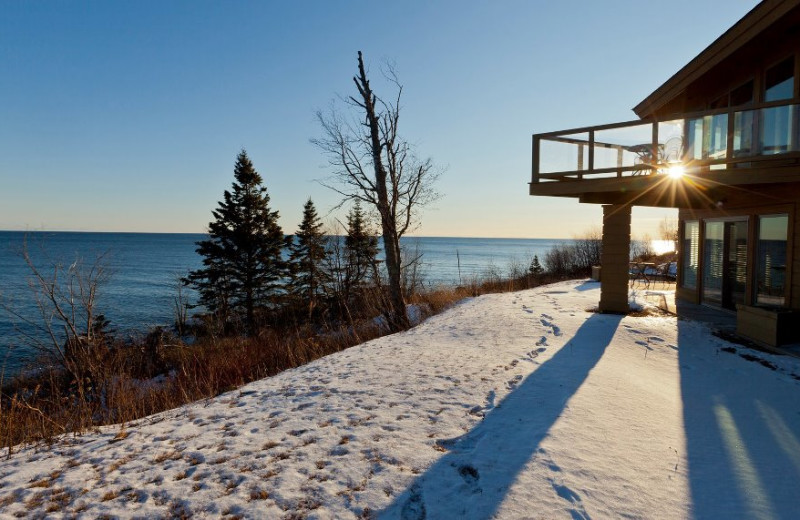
[575, 258]
[668, 229]
[642, 249]
[412, 269]
[69, 331]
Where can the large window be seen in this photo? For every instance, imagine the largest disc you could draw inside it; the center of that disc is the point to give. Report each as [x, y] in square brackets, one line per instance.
[776, 129]
[707, 137]
[691, 247]
[771, 260]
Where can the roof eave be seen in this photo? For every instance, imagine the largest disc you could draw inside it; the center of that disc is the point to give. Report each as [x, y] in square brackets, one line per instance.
[753, 23]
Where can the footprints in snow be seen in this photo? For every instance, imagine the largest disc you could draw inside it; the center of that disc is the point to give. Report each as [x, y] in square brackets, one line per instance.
[578, 512]
[576, 509]
[481, 411]
[647, 341]
[512, 383]
[414, 506]
[470, 476]
[533, 354]
[547, 321]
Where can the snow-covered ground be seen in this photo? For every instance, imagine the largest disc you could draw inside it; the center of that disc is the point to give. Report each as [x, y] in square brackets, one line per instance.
[521, 405]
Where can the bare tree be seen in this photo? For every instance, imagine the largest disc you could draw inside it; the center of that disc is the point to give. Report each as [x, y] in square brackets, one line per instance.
[373, 164]
[668, 229]
[69, 329]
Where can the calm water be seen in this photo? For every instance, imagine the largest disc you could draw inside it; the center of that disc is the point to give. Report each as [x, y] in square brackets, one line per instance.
[144, 269]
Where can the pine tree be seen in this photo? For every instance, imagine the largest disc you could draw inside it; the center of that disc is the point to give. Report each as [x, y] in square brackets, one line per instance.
[536, 268]
[361, 249]
[243, 268]
[308, 252]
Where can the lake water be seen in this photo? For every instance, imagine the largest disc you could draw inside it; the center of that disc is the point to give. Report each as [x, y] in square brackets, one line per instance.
[144, 269]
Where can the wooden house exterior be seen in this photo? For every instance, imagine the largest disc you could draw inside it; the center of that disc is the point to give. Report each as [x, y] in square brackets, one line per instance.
[720, 140]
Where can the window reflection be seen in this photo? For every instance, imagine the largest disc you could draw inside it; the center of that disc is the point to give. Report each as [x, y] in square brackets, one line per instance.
[691, 248]
[743, 129]
[771, 260]
[779, 81]
[707, 137]
[713, 257]
[776, 129]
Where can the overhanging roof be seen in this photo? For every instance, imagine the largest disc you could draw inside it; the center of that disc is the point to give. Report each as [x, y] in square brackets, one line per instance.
[752, 24]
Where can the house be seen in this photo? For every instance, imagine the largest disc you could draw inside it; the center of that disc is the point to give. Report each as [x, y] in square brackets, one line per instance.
[720, 140]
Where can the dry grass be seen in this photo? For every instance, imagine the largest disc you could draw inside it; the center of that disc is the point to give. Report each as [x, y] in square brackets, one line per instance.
[109, 495]
[48, 406]
[45, 408]
[122, 434]
[167, 455]
[258, 494]
[11, 498]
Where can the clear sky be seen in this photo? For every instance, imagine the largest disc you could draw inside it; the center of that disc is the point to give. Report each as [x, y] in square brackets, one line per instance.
[127, 116]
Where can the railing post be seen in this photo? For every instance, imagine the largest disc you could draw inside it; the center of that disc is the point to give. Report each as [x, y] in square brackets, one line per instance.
[535, 160]
[655, 159]
[591, 150]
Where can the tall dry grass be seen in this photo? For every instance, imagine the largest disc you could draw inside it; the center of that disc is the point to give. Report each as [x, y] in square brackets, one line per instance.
[160, 372]
[41, 407]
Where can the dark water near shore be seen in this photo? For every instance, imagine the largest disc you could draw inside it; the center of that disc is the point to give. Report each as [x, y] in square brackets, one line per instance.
[144, 268]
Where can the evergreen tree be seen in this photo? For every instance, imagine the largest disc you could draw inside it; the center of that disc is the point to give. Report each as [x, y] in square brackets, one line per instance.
[536, 268]
[242, 260]
[308, 252]
[361, 249]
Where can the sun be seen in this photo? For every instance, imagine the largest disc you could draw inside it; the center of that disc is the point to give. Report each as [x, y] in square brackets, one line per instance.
[676, 171]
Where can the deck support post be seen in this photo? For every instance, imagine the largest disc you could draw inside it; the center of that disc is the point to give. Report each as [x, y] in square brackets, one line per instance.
[615, 258]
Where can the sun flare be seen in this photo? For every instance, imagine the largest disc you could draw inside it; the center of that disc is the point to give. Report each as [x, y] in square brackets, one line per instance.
[676, 171]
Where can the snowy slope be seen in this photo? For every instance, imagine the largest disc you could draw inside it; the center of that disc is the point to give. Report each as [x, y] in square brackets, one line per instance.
[520, 405]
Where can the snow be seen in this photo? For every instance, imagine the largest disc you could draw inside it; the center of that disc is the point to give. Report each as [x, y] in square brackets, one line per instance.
[512, 405]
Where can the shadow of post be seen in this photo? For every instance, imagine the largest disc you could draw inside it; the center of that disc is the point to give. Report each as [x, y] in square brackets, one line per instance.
[473, 478]
[742, 443]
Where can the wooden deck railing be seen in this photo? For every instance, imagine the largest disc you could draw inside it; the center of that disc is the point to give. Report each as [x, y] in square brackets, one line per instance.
[738, 137]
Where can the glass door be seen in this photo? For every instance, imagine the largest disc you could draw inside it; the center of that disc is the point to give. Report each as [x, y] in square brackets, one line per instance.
[725, 263]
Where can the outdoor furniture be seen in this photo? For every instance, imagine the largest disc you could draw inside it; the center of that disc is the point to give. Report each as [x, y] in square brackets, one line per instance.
[643, 272]
[665, 273]
[644, 158]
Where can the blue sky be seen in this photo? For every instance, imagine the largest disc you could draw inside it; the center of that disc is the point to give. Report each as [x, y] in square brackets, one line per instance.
[127, 116]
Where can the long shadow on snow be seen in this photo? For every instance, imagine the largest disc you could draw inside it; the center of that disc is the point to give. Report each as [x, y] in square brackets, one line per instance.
[742, 424]
[473, 478]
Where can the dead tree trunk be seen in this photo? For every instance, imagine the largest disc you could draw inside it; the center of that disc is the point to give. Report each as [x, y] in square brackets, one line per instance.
[398, 319]
[395, 183]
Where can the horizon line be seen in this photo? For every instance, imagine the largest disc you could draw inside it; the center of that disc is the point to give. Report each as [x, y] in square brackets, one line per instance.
[286, 234]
